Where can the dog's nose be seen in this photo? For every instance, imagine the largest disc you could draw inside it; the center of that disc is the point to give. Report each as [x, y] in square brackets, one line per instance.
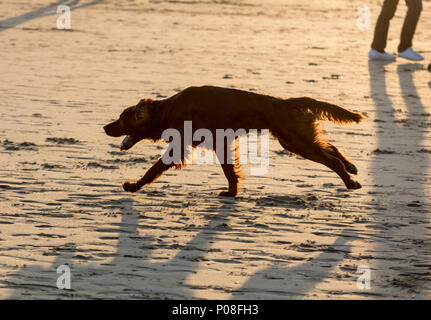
[106, 128]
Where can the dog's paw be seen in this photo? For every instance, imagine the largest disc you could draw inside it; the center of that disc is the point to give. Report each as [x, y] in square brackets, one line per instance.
[353, 185]
[130, 187]
[351, 168]
[227, 194]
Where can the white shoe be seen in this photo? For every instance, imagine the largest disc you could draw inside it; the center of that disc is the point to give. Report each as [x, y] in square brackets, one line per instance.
[410, 54]
[375, 55]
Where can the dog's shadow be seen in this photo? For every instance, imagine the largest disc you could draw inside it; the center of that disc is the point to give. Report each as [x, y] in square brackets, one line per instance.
[130, 274]
[278, 282]
[282, 281]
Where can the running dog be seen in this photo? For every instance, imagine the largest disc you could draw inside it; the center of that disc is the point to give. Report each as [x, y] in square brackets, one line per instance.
[294, 122]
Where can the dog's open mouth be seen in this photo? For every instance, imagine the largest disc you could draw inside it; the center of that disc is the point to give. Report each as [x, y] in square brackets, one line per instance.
[127, 143]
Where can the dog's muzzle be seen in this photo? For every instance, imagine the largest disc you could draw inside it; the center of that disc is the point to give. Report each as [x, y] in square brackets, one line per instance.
[127, 143]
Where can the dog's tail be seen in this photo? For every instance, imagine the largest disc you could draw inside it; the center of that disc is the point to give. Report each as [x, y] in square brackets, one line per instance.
[326, 111]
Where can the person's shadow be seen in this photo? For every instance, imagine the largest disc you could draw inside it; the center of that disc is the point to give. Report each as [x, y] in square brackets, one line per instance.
[48, 10]
[399, 172]
[278, 282]
[399, 169]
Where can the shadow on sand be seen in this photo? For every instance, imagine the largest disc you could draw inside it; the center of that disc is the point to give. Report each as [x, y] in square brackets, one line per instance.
[133, 274]
[48, 10]
[293, 283]
[129, 275]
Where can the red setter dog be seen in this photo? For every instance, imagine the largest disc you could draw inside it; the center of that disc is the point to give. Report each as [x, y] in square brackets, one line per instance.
[294, 122]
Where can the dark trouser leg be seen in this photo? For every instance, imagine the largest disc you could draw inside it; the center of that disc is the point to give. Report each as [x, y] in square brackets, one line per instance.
[382, 25]
[410, 23]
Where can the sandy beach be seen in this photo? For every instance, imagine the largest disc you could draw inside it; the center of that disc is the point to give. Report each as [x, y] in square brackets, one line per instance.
[293, 233]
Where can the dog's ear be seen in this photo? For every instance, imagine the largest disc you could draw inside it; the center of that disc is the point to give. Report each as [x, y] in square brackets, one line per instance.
[143, 110]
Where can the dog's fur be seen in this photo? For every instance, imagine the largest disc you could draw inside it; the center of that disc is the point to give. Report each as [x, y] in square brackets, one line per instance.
[294, 122]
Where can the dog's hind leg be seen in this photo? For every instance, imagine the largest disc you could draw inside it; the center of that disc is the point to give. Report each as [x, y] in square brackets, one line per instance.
[350, 167]
[317, 153]
[337, 166]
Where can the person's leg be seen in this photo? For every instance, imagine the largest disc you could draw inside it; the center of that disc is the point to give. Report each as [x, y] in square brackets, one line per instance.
[382, 26]
[410, 23]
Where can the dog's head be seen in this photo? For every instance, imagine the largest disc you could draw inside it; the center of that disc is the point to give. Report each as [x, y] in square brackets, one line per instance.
[134, 123]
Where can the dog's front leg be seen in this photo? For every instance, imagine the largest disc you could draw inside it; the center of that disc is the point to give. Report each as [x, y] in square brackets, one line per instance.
[152, 174]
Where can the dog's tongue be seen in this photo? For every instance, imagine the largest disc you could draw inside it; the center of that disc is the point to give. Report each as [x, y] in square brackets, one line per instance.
[127, 143]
